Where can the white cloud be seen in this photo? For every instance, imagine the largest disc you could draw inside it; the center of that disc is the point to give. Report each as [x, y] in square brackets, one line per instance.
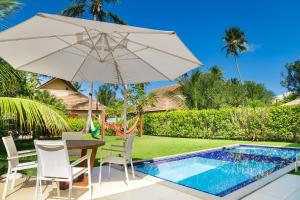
[253, 47]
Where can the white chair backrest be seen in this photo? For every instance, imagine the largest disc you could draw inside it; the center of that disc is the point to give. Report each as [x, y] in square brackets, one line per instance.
[11, 150]
[128, 145]
[53, 158]
[71, 136]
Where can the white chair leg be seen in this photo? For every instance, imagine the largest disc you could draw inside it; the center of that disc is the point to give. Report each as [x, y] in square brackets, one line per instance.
[14, 180]
[126, 173]
[296, 167]
[109, 166]
[132, 169]
[100, 174]
[6, 183]
[90, 183]
[36, 188]
[41, 188]
[70, 190]
[57, 189]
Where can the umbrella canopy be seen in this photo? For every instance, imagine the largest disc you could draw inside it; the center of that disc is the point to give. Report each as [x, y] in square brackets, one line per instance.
[82, 50]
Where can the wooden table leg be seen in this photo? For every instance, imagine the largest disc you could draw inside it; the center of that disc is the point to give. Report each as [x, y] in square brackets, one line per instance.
[83, 180]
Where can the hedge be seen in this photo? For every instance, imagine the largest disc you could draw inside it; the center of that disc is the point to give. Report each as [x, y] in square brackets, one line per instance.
[269, 124]
[78, 124]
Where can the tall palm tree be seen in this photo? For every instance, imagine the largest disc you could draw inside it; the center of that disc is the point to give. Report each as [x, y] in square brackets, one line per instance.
[7, 7]
[235, 44]
[94, 8]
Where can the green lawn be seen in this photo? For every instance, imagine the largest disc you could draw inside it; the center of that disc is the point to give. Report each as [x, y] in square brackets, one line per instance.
[150, 147]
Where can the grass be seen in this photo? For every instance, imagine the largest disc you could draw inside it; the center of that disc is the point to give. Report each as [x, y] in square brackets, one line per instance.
[148, 147]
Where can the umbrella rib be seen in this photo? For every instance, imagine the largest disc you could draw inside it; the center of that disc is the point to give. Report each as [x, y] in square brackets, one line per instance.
[198, 63]
[58, 50]
[118, 44]
[125, 54]
[115, 62]
[161, 73]
[37, 37]
[93, 43]
[85, 58]
[77, 43]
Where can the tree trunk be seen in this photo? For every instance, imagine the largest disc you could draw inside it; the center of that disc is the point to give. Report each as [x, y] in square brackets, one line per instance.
[238, 69]
[140, 124]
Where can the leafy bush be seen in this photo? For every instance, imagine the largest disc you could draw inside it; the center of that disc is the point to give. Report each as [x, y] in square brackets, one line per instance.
[269, 123]
[78, 124]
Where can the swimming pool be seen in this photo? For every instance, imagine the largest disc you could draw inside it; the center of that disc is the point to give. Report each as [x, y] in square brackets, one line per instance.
[221, 171]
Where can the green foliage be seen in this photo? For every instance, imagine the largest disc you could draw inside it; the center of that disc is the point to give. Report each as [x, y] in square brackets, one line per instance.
[211, 91]
[77, 86]
[292, 77]
[106, 95]
[139, 98]
[28, 115]
[44, 96]
[94, 8]
[267, 124]
[78, 124]
[8, 7]
[14, 83]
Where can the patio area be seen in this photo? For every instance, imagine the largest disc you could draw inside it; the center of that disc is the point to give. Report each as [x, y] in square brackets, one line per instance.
[114, 188]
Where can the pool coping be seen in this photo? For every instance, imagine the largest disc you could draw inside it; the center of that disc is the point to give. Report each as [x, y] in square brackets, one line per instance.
[238, 194]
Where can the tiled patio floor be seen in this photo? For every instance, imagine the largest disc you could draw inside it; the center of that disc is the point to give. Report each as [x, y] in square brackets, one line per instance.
[114, 188]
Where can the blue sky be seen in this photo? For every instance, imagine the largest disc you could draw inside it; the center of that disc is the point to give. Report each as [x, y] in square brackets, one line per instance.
[271, 27]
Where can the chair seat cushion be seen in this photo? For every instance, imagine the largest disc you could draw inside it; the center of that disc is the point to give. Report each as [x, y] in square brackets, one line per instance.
[115, 160]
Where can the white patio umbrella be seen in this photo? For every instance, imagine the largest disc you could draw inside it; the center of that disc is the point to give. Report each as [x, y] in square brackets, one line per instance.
[82, 50]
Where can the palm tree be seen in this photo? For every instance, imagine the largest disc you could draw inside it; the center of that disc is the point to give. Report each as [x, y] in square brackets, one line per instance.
[7, 7]
[235, 44]
[94, 8]
[29, 115]
[106, 95]
[140, 99]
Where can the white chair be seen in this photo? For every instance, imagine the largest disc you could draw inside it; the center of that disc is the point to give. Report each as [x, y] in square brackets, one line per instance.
[13, 161]
[54, 165]
[72, 136]
[297, 163]
[125, 158]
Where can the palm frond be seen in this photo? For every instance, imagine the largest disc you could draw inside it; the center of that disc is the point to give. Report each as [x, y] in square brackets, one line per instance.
[29, 115]
[73, 11]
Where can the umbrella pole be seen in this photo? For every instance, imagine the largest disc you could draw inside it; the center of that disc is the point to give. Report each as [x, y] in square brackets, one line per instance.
[125, 108]
[89, 118]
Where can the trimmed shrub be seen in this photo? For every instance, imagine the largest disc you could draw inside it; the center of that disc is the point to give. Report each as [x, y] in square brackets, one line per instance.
[269, 123]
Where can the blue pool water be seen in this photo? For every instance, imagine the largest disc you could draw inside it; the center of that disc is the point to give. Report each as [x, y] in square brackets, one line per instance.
[220, 172]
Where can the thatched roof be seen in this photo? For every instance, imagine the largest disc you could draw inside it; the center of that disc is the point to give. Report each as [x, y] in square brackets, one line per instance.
[168, 98]
[75, 100]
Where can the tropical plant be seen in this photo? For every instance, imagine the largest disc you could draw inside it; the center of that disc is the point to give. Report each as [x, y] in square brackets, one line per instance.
[94, 8]
[77, 86]
[15, 83]
[106, 95]
[45, 97]
[291, 79]
[211, 91]
[235, 44]
[29, 115]
[7, 7]
[139, 98]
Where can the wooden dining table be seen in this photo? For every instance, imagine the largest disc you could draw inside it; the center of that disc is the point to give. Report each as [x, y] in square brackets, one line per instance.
[84, 146]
